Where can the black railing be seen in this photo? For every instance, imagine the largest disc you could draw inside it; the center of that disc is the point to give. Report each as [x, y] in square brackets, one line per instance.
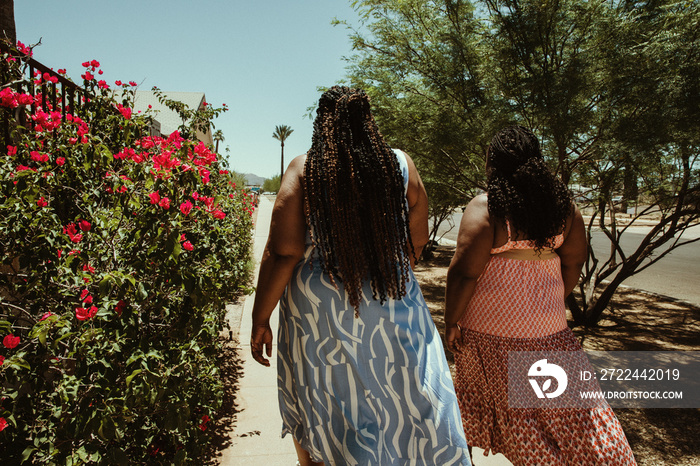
[57, 92]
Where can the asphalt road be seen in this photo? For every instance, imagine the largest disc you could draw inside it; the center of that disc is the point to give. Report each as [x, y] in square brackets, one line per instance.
[676, 275]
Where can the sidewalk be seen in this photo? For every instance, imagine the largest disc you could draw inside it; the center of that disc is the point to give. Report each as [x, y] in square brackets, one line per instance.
[256, 439]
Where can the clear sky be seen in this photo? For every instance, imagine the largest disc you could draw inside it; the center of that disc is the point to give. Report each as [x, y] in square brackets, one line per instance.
[265, 59]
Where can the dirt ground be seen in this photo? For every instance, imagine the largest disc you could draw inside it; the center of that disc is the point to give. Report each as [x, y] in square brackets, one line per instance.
[635, 321]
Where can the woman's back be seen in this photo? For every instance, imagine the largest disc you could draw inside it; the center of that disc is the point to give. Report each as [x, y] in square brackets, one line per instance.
[359, 383]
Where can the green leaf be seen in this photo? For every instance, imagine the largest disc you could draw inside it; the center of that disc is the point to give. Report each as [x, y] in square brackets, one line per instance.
[132, 375]
[107, 428]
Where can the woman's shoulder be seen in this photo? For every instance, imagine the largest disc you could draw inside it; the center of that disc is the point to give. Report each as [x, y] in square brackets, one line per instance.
[477, 209]
[480, 202]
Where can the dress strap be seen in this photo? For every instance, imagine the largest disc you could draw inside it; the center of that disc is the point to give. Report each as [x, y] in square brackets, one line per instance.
[403, 166]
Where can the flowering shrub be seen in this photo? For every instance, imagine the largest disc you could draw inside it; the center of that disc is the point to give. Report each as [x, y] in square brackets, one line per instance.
[118, 253]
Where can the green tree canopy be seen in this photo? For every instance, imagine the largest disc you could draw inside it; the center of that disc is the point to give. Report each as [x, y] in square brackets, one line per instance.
[610, 87]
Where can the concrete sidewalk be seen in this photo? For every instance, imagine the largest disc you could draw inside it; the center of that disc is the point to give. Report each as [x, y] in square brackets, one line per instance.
[256, 439]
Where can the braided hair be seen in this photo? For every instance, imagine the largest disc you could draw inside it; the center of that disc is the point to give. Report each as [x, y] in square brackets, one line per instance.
[354, 199]
[522, 189]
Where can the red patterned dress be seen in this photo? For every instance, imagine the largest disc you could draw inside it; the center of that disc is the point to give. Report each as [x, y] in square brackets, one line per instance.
[518, 305]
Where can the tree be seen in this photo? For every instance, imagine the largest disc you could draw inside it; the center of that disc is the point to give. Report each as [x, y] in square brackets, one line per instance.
[218, 137]
[272, 185]
[7, 21]
[282, 132]
[420, 65]
[610, 87]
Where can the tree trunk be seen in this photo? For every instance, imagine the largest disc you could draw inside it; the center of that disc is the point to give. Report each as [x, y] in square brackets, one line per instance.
[282, 164]
[7, 21]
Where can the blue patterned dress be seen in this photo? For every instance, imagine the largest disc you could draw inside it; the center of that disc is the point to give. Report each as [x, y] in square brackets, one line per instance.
[371, 390]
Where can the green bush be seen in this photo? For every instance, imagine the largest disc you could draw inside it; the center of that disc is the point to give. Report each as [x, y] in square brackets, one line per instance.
[119, 252]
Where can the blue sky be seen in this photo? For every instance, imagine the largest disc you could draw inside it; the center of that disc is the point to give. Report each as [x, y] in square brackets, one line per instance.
[264, 58]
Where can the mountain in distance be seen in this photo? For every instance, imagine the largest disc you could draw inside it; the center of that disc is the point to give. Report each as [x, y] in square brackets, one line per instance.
[253, 180]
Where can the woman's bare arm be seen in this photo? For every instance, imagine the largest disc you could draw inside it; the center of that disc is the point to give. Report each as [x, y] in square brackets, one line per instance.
[474, 243]
[417, 210]
[573, 252]
[284, 249]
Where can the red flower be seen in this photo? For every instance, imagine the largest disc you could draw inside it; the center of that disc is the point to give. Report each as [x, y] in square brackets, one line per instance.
[8, 98]
[164, 203]
[24, 49]
[72, 233]
[84, 314]
[46, 315]
[125, 111]
[10, 341]
[121, 307]
[187, 245]
[88, 268]
[3, 424]
[118, 82]
[155, 197]
[2, 359]
[102, 84]
[25, 99]
[94, 63]
[132, 83]
[42, 202]
[186, 207]
[205, 175]
[88, 76]
[84, 225]
[39, 157]
[219, 214]
[61, 161]
[203, 425]
[11, 150]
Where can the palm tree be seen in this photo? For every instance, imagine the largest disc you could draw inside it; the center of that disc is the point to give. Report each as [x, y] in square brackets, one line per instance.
[281, 133]
[218, 137]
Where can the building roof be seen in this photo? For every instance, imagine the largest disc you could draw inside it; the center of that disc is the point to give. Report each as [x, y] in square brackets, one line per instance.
[168, 119]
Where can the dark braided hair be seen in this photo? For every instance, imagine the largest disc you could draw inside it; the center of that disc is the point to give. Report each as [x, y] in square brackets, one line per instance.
[522, 189]
[354, 199]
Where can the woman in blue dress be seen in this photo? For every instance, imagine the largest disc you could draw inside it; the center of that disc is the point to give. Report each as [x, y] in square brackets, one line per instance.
[362, 374]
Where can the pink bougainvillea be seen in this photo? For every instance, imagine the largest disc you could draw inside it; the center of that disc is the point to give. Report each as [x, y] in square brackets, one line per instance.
[72, 233]
[82, 313]
[120, 307]
[186, 207]
[10, 341]
[203, 424]
[155, 197]
[84, 225]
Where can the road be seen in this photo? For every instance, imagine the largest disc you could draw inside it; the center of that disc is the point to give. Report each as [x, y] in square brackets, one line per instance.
[675, 275]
